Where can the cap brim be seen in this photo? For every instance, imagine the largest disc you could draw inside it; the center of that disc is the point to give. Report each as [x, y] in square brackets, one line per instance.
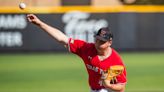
[101, 38]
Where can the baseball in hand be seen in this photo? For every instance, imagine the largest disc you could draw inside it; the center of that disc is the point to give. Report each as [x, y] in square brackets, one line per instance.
[22, 5]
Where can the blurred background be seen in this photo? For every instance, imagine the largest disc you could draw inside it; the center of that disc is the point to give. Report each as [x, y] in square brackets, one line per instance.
[32, 61]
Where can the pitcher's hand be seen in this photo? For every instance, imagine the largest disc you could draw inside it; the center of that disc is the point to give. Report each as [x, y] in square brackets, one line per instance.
[34, 19]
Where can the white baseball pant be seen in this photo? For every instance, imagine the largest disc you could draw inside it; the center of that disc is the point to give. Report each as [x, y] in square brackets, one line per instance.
[100, 90]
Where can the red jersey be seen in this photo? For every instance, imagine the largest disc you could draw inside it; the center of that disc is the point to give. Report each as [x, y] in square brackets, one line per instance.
[94, 66]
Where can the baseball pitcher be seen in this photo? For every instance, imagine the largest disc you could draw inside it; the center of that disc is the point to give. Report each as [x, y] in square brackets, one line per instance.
[104, 65]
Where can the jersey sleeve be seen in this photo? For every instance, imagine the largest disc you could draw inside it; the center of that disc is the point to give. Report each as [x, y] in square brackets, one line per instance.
[122, 78]
[76, 46]
[118, 61]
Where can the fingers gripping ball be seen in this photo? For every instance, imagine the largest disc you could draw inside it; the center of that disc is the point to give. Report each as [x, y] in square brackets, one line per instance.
[114, 71]
[22, 5]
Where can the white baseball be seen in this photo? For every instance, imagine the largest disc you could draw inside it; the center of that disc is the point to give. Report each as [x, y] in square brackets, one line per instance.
[22, 5]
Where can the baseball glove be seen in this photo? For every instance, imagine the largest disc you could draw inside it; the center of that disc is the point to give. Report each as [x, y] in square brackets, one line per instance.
[114, 71]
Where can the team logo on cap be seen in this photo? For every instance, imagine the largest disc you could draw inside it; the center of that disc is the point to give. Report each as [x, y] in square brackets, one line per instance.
[103, 33]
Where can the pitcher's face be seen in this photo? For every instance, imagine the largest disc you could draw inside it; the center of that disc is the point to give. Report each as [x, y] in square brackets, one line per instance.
[101, 45]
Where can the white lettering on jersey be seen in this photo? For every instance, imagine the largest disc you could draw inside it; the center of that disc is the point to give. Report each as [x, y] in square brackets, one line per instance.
[95, 69]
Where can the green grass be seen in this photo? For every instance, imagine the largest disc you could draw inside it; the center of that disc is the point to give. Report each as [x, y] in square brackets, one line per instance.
[66, 72]
[145, 71]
